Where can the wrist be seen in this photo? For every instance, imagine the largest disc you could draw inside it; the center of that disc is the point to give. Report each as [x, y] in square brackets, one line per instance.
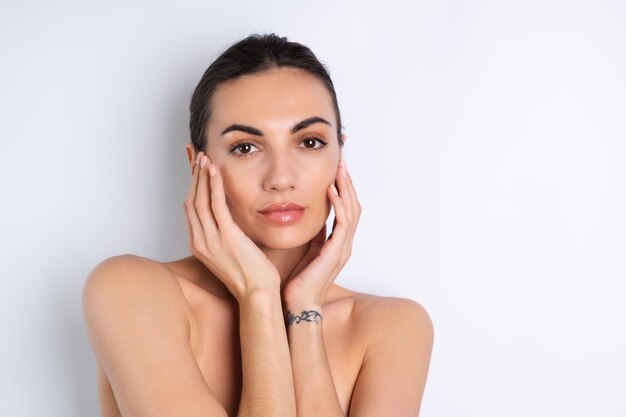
[300, 301]
[259, 294]
[302, 313]
[302, 304]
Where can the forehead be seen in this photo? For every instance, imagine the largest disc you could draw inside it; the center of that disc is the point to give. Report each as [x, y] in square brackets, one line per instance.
[274, 100]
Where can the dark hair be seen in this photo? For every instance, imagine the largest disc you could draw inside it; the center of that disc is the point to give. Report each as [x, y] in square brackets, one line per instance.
[252, 55]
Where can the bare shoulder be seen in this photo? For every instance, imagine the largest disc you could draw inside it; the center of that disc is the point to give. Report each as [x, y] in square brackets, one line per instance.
[128, 260]
[385, 316]
[137, 324]
[129, 270]
[131, 281]
[399, 339]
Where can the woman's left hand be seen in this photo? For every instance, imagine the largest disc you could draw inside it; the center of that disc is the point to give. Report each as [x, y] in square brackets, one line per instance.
[310, 280]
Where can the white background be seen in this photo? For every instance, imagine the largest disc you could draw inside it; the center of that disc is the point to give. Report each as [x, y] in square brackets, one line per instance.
[486, 140]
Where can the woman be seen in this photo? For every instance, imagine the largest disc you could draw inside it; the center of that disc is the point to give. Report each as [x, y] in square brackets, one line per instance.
[252, 323]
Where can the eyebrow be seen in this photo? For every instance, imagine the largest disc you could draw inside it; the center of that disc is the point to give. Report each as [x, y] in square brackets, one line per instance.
[254, 131]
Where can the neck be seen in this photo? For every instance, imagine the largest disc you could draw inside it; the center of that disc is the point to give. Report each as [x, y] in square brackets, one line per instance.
[284, 260]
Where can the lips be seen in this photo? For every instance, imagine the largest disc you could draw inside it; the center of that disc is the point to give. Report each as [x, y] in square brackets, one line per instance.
[281, 214]
[288, 206]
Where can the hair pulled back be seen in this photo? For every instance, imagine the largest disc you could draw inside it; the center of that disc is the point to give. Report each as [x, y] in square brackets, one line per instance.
[252, 55]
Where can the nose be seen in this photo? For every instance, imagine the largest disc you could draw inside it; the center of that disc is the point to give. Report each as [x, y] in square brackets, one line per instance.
[281, 175]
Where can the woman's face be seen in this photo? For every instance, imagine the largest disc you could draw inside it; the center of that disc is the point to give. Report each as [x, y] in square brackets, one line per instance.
[266, 155]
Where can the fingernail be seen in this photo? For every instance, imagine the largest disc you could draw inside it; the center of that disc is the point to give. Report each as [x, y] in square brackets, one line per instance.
[198, 158]
[334, 189]
[212, 170]
[203, 161]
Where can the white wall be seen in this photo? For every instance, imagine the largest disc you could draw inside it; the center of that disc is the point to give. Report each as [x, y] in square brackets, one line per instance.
[487, 145]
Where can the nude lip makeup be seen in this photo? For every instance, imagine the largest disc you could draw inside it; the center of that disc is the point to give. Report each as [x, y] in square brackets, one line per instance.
[282, 217]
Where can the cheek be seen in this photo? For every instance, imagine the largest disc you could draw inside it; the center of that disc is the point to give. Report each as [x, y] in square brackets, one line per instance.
[330, 175]
[234, 192]
[326, 172]
[323, 180]
[320, 184]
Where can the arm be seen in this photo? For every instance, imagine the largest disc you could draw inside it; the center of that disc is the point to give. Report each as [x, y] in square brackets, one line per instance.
[137, 323]
[316, 395]
[393, 373]
[136, 320]
[268, 389]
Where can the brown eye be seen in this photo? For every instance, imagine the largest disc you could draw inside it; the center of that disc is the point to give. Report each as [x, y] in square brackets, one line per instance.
[244, 147]
[312, 141]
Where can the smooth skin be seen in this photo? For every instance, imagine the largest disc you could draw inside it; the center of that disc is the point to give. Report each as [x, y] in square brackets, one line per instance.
[206, 336]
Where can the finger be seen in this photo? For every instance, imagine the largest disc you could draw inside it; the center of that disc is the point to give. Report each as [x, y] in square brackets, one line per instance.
[334, 225]
[343, 187]
[195, 226]
[352, 204]
[218, 199]
[353, 207]
[341, 180]
[347, 191]
[202, 201]
[342, 221]
[355, 199]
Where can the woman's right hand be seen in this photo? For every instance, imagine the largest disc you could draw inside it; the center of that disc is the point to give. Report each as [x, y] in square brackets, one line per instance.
[218, 242]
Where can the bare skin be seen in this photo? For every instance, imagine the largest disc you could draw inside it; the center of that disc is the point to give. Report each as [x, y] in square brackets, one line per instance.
[350, 323]
[205, 335]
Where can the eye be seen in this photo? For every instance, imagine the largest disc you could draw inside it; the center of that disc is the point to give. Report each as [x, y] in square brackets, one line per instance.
[245, 147]
[240, 145]
[312, 140]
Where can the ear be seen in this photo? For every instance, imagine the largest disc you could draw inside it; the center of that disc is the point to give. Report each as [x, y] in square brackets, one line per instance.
[343, 138]
[191, 154]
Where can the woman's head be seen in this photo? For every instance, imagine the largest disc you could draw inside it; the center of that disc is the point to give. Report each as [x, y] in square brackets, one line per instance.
[266, 113]
[253, 55]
